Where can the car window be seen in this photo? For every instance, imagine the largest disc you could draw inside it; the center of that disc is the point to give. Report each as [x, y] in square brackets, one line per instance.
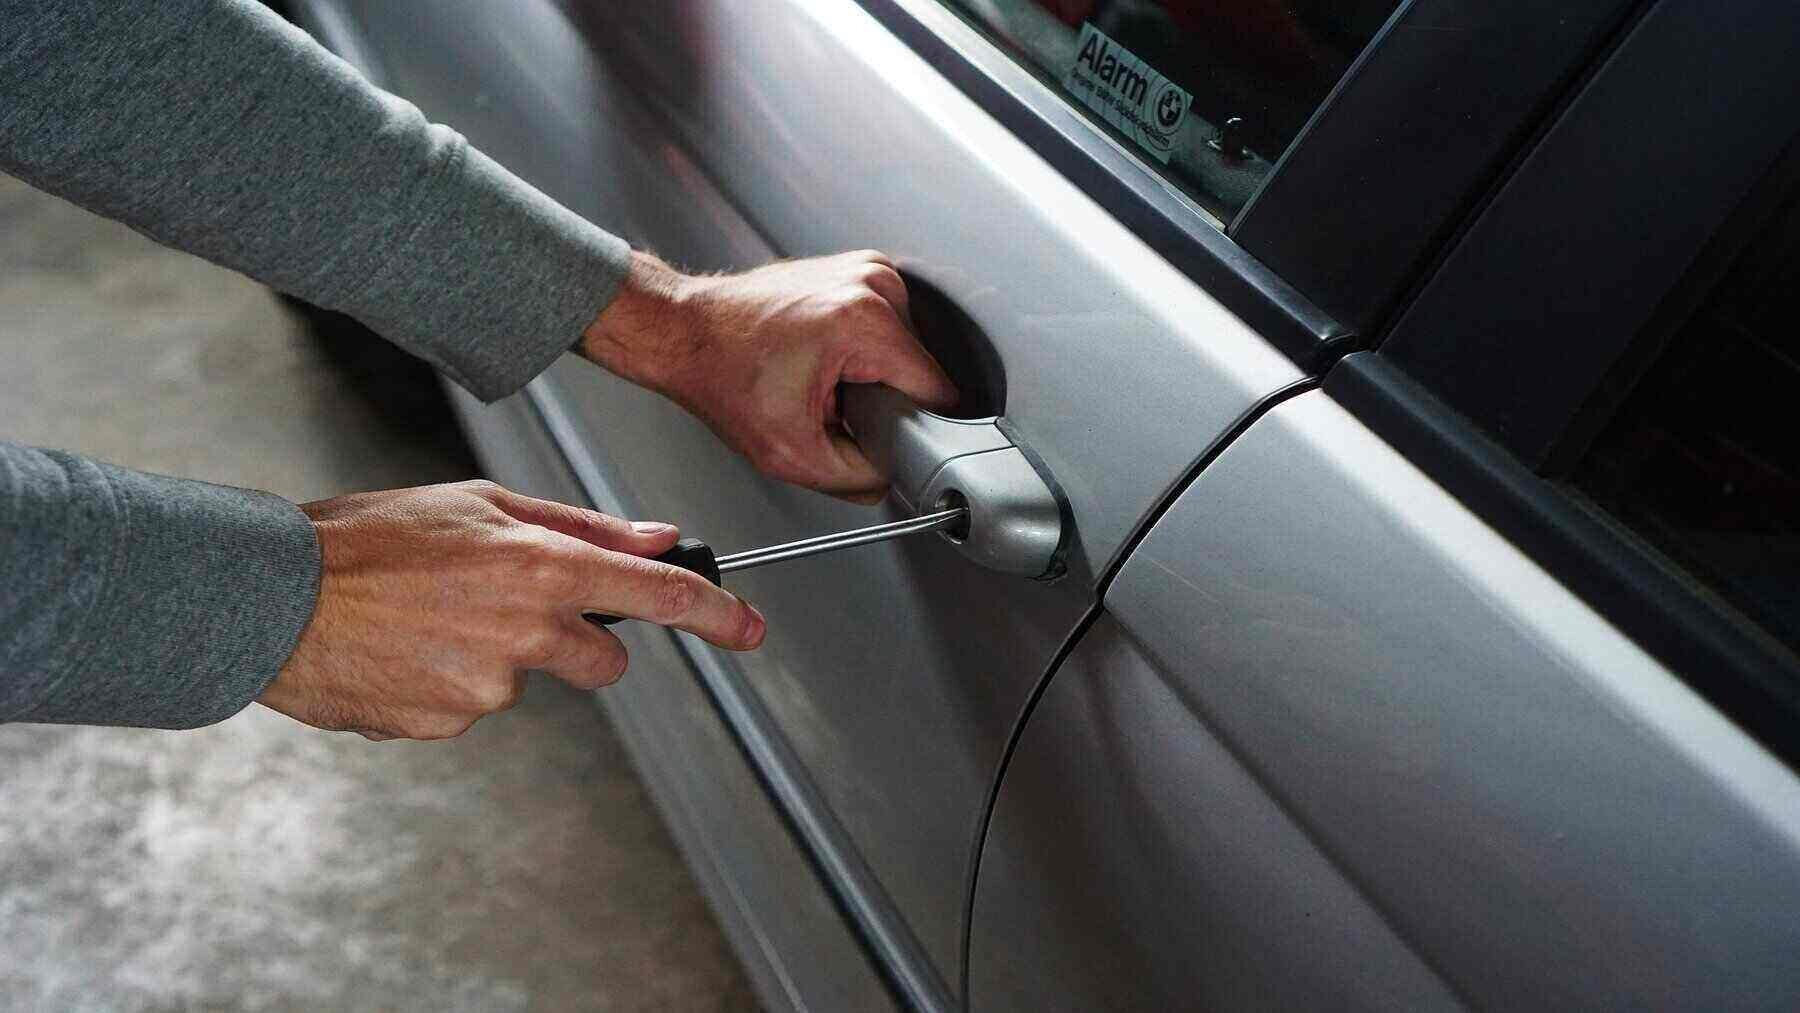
[1209, 92]
[1703, 457]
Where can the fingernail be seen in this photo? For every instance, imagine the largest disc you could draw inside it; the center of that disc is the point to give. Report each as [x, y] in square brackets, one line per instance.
[651, 527]
[759, 629]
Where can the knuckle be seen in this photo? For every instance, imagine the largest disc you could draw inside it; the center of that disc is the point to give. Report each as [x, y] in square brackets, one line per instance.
[539, 573]
[746, 634]
[334, 717]
[428, 726]
[483, 488]
[536, 645]
[781, 459]
[775, 453]
[545, 564]
[417, 726]
[675, 594]
[869, 303]
[529, 539]
[766, 450]
[445, 728]
[494, 695]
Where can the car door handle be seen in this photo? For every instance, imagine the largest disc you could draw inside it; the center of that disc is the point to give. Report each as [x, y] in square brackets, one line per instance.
[1016, 519]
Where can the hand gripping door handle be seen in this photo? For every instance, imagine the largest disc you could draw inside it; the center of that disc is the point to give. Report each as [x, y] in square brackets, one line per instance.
[1015, 522]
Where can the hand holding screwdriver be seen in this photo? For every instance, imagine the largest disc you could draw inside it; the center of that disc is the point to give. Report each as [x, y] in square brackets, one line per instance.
[436, 602]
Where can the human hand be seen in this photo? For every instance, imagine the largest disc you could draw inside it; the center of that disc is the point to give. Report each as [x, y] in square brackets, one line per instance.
[435, 601]
[758, 356]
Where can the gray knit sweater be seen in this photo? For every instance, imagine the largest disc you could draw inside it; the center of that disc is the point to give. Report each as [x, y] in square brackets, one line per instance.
[214, 127]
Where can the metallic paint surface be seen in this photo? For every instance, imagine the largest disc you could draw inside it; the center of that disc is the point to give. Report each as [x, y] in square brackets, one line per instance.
[784, 925]
[828, 133]
[1319, 664]
[896, 675]
[1134, 863]
[1544, 814]
[781, 775]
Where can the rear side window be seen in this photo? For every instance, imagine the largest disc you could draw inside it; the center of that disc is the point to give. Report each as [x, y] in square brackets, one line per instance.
[1209, 92]
[1703, 458]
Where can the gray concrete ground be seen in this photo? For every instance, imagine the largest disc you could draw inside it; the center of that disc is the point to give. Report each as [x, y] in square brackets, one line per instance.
[260, 864]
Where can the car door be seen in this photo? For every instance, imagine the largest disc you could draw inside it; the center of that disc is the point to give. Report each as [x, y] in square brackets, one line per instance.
[1121, 309]
[1469, 679]
[723, 135]
[1116, 311]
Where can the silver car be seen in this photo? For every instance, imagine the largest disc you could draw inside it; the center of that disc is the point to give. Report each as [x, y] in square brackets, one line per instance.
[1382, 581]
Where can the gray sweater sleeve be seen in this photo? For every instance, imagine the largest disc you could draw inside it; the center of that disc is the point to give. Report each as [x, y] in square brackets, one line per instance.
[214, 127]
[131, 599]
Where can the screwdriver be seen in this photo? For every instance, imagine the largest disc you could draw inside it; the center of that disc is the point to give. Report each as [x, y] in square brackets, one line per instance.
[694, 554]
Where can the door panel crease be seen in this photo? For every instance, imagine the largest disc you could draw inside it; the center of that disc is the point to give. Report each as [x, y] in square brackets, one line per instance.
[866, 907]
[1167, 500]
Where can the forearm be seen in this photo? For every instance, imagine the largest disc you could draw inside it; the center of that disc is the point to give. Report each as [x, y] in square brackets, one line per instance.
[133, 599]
[216, 128]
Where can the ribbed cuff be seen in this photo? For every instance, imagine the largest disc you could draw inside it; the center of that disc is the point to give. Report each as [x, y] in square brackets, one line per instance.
[206, 594]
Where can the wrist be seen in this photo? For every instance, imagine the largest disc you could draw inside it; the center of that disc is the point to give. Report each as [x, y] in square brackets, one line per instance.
[647, 330]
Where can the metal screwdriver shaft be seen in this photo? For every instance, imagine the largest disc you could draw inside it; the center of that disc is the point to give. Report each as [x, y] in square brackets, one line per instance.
[843, 540]
[694, 554]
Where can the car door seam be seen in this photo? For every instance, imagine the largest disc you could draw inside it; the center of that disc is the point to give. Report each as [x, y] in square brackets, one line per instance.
[984, 821]
[869, 914]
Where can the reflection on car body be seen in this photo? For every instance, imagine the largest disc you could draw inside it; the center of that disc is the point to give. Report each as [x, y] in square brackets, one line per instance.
[1395, 660]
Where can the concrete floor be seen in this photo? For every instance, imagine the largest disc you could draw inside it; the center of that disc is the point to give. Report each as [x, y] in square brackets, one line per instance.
[260, 864]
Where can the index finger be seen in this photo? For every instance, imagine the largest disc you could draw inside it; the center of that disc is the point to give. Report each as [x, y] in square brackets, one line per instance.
[902, 363]
[621, 584]
[889, 353]
[639, 538]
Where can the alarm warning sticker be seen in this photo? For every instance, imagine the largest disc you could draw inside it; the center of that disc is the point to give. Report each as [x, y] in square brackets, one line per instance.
[1127, 93]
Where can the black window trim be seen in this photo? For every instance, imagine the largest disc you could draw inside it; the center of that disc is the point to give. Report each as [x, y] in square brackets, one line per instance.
[1411, 139]
[1564, 204]
[1743, 671]
[1503, 374]
[1247, 266]
[1168, 221]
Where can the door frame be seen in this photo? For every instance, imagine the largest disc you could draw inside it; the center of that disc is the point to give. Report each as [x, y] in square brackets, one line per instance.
[1466, 396]
[1378, 179]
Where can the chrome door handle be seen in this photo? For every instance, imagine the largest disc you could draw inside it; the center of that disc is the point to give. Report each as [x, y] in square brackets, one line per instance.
[1015, 520]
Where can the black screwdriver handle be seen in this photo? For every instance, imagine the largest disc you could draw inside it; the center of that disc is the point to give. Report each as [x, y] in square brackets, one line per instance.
[689, 554]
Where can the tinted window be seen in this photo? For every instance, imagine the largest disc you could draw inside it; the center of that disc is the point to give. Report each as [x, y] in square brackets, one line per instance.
[1703, 460]
[1166, 77]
